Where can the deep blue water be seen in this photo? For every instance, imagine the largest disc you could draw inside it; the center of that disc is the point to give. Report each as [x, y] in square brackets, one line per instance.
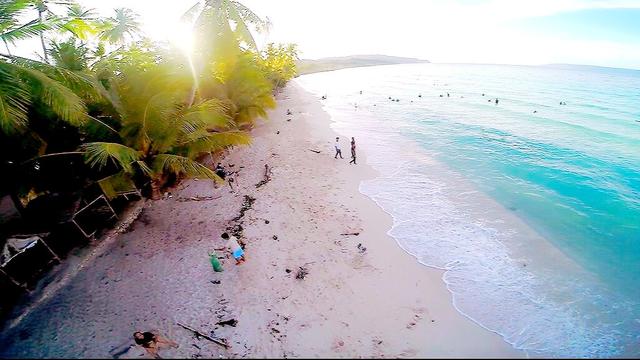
[532, 207]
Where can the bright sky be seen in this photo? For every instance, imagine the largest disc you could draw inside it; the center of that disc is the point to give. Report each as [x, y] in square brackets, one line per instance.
[594, 32]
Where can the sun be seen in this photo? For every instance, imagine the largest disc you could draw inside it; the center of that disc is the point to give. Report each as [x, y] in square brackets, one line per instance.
[181, 36]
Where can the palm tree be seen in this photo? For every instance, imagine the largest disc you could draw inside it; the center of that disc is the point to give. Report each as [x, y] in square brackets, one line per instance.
[249, 91]
[11, 30]
[160, 133]
[124, 24]
[42, 6]
[214, 17]
[80, 21]
[69, 54]
[226, 61]
[222, 30]
[279, 62]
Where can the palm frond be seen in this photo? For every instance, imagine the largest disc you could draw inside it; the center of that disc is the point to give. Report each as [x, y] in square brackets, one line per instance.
[209, 114]
[201, 143]
[242, 31]
[60, 99]
[26, 31]
[180, 165]
[80, 28]
[76, 81]
[14, 100]
[97, 154]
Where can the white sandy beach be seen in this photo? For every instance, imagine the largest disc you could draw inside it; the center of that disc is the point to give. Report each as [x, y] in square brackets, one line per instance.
[375, 303]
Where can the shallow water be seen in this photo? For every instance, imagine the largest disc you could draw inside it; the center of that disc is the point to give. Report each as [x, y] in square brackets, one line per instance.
[534, 215]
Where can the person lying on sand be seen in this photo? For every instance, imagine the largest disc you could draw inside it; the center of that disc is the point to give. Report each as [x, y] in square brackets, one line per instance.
[234, 247]
[152, 342]
[220, 171]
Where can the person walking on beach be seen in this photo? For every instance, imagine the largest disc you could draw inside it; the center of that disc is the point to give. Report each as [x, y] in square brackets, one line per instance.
[353, 151]
[234, 247]
[338, 151]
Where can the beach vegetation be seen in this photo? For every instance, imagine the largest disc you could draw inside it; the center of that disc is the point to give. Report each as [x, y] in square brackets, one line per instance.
[104, 99]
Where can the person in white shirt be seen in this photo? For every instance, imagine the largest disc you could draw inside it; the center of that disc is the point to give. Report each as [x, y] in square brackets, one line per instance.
[338, 151]
[234, 247]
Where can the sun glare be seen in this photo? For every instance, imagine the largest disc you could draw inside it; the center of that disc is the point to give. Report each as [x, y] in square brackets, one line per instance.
[181, 36]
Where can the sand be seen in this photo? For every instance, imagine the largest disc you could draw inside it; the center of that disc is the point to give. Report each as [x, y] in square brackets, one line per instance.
[378, 302]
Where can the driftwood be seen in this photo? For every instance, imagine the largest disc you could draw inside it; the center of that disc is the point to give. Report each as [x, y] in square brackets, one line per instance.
[353, 233]
[197, 198]
[230, 322]
[198, 333]
[315, 151]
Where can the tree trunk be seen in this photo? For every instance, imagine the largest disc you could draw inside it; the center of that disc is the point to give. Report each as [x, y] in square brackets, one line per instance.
[44, 48]
[156, 188]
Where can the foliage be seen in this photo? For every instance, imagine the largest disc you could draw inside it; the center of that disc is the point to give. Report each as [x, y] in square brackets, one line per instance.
[11, 29]
[127, 104]
[69, 54]
[279, 63]
[118, 28]
[24, 83]
[161, 134]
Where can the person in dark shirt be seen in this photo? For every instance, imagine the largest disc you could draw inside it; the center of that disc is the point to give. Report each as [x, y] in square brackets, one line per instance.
[152, 342]
[353, 151]
[220, 171]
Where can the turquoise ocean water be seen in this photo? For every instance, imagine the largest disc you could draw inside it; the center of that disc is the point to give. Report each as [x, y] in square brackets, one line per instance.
[531, 207]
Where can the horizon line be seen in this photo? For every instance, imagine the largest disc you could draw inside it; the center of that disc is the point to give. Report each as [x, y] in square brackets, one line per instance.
[478, 63]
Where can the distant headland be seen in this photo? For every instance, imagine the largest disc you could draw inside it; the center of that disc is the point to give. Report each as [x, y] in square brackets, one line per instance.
[307, 66]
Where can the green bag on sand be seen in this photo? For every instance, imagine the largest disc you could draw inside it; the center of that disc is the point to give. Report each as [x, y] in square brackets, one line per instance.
[215, 263]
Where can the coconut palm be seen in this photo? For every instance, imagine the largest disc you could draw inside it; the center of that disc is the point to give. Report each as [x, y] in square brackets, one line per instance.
[11, 29]
[161, 133]
[47, 17]
[279, 63]
[118, 28]
[69, 54]
[215, 17]
[246, 86]
[80, 21]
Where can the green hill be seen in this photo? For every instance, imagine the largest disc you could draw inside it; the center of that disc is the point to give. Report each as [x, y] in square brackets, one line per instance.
[308, 66]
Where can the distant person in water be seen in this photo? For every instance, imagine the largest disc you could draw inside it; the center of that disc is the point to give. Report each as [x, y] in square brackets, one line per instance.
[234, 247]
[338, 150]
[353, 151]
[447, 94]
[496, 101]
[324, 97]
[152, 342]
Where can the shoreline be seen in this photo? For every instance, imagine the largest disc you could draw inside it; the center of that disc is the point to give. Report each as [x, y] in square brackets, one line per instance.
[158, 273]
[441, 214]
